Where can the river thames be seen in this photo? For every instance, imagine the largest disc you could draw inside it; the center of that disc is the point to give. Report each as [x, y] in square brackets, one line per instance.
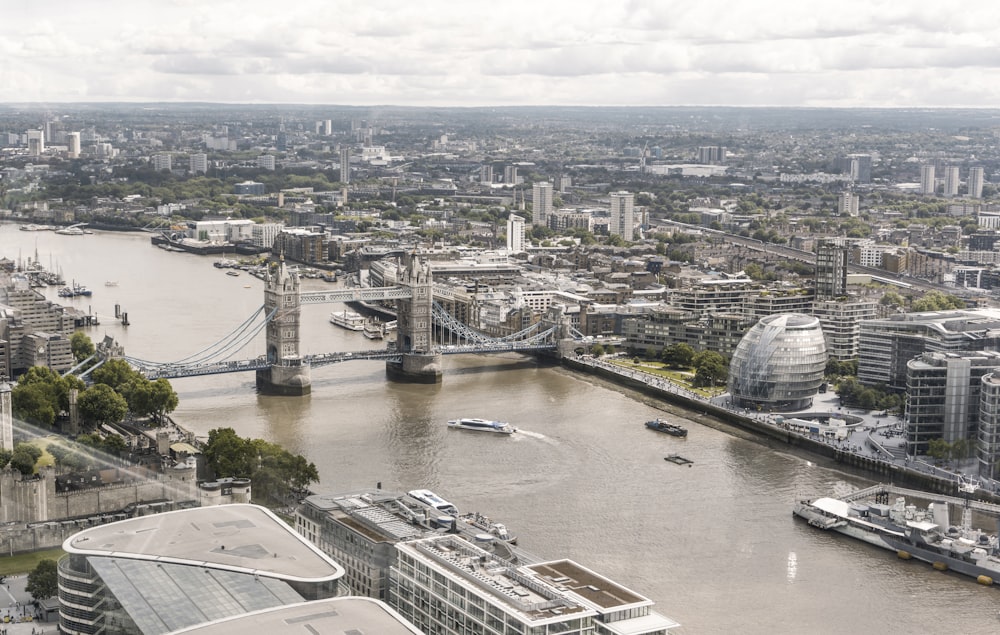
[714, 545]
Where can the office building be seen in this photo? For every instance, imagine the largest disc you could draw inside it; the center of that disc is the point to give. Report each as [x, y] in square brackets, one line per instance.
[975, 184]
[848, 204]
[951, 181]
[832, 257]
[886, 345]
[198, 164]
[161, 162]
[515, 234]
[943, 397]
[779, 364]
[988, 442]
[345, 165]
[160, 573]
[927, 182]
[541, 204]
[73, 145]
[265, 162]
[622, 221]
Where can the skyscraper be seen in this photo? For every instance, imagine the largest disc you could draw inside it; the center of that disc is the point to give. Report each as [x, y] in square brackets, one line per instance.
[36, 142]
[198, 163]
[848, 203]
[832, 257]
[975, 182]
[951, 180]
[73, 141]
[161, 162]
[515, 234]
[541, 203]
[622, 215]
[345, 164]
[927, 184]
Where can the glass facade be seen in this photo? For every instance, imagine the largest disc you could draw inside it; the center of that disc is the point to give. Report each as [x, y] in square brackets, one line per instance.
[779, 364]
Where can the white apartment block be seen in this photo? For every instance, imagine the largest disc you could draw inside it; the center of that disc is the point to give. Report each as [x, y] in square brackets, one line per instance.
[951, 181]
[198, 163]
[848, 204]
[264, 234]
[541, 203]
[622, 211]
[975, 182]
[265, 162]
[927, 182]
[161, 162]
[515, 234]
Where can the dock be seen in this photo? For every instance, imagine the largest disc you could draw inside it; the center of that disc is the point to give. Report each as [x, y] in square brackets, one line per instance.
[678, 459]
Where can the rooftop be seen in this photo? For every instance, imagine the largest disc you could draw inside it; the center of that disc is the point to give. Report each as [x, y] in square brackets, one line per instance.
[241, 538]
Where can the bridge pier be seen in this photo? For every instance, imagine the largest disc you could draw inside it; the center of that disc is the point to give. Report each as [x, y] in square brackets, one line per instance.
[416, 368]
[285, 380]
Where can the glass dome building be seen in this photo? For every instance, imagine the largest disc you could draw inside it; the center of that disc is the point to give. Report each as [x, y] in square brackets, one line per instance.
[779, 364]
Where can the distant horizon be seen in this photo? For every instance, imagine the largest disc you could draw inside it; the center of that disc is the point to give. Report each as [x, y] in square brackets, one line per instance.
[482, 107]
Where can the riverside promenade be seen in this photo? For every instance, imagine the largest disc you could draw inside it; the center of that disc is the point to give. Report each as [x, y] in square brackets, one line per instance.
[873, 441]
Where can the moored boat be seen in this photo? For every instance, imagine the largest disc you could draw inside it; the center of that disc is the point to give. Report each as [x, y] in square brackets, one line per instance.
[348, 319]
[482, 425]
[373, 330]
[661, 425]
[480, 521]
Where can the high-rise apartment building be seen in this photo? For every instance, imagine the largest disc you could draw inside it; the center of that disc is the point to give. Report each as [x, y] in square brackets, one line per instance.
[345, 165]
[541, 203]
[975, 182]
[510, 175]
[622, 211]
[73, 143]
[36, 142]
[951, 181]
[161, 162]
[327, 127]
[198, 164]
[927, 183]
[848, 204]
[266, 162]
[486, 174]
[515, 234]
[832, 258]
[711, 155]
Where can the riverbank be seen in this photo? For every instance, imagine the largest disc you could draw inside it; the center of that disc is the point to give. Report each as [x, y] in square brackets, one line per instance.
[868, 453]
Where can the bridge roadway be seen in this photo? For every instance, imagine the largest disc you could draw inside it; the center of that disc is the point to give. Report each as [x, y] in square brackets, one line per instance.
[173, 371]
[355, 294]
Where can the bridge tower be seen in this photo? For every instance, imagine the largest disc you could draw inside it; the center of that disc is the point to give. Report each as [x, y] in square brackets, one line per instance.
[288, 373]
[421, 361]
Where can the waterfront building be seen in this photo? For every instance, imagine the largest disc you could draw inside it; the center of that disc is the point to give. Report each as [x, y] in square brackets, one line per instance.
[841, 322]
[264, 234]
[975, 182]
[943, 397]
[622, 215]
[198, 163]
[885, 346]
[649, 332]
[301, 245]
[951, 181]
[541, 204]
[779, 364]
[832, 257]
[73, 145]
[452, 574]
[161, 161]
[266, 162]
[157, 574]
[927, 181]
[515, 234]
[988, 441]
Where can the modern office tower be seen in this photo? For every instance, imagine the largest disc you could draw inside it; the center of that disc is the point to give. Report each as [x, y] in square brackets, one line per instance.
[988, 445]
[622, 211]
[73, 143]
[848, 204]
[515, 234]
[486, 174]
[886, 345]
[510, 175]
[36, 142]
[327, 127]
[832, 258]
[841, 321]
[951, 181]
[541, 203]
[345, 164]
[943, 400]
[265, 162]
[198, 163]
[927, 183]
[163, 572]
[161, 162]
[975, 182]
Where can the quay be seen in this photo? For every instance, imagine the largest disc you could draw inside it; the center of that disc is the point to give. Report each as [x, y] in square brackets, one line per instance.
[870, 448]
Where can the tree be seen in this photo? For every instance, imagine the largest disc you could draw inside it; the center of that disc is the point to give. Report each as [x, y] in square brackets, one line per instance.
[24, 458]
[710, 367]
[678, 355]
[100, 404]
[33, 403]
[114, 373]
[81, 345]
[162, 398]
[276, 472]
[43, 581]
[936, 301]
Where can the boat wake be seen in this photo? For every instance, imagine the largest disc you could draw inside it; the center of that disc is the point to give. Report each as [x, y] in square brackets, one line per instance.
[534, 435]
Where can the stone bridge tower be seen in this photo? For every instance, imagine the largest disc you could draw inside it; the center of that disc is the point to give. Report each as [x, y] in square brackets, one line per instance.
[288, 373]
[421, 361]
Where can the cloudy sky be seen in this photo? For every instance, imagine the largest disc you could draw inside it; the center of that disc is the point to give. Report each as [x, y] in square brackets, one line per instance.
[504, 52]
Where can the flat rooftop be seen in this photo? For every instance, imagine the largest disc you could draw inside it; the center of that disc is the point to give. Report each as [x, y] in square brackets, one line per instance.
[243, 538]
[334, 615]
[592, 587]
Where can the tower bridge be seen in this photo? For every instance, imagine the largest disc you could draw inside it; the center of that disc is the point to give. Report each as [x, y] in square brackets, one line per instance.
[413, 357]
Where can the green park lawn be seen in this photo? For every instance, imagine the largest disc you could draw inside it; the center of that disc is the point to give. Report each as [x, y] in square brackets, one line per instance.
[682, 378]
[25, 562]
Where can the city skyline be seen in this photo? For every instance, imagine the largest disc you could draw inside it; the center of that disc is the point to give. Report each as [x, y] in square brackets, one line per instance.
[848, 54]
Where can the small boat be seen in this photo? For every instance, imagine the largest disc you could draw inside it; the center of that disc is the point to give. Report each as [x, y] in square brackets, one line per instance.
[348, 319]
[482, 425]
[670, 428]
[72, 230]
[373, 330]
[232, 273]
[678, 459]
